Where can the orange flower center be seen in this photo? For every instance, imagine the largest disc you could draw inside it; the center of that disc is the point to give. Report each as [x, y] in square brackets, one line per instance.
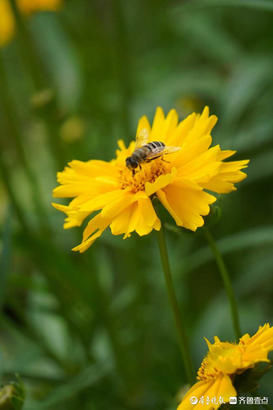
[206, 371]
[149, 172]
[222, 358]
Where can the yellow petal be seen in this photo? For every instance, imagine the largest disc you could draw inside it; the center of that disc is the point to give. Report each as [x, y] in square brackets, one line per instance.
[257, 347]
[82, 247]
[29, 6]
[186, 202]
[164, 200]
[228, 174]
[100, 201]
[89, 169]
[178, 137]
[59, 207]
[143, 218]
[226, 154]
[114, 208]
[202, 126]
[169, 126]
[225, 388]
[121, 145]
[122, 153]
[214, 392]
[208, 343]
[86, 178]
[98, 222]
[160, 182]
[199, 164]
[127, 213]
[108, 213]
[264, 336]
[143, 123]
[75, 217]
[198, 390]
[157, 124]
[121, 222]
[7, 24]
[92, 232]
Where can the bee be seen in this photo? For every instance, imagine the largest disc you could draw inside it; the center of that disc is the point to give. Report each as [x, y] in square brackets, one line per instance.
[147, 151]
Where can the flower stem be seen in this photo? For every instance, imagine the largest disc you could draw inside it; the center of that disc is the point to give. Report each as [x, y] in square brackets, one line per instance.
[6, 178]
[12, 130]
[34, 65]
[123, 63]
[48, 111]
[183, 341]
[227, 283]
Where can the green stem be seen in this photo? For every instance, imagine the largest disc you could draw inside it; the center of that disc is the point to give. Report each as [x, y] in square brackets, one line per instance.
[183, 341]
[227, 283]
[5, 259]
[110, 326]
[10, 127]
[4, 172]
[41, 81]
[123, 64]
[34, 378]
[38, 74]
[41, 249]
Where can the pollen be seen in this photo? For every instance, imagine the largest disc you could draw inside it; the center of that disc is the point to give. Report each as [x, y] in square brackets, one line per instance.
[206, 371]
[222, 358]
[149, 172]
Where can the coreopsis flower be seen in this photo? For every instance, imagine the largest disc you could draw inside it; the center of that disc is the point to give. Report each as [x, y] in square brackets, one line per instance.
[122, 198]
[30, 6]
[223, 362]
[7, 23]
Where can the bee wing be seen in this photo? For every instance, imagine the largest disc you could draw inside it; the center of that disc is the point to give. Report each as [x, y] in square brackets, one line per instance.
[156, 153]
[142, 137]
[170, 150]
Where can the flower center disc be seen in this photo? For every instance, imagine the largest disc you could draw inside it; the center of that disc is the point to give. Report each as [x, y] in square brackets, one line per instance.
[223, 358]
[149, 172]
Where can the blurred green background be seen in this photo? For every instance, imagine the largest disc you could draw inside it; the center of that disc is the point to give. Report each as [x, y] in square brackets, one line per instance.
[94, 331]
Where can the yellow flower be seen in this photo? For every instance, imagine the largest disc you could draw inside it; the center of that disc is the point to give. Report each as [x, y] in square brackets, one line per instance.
[223, 361]
[30, 6]
[123, 200]
[7, 23]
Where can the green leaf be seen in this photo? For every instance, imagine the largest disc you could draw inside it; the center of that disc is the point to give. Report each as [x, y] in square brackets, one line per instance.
[242, 240]
[88, 377]
[250, 379]
[216, 42]
[5, 255]
[246, 138]
[59, 57]
[248, 78]
[256, 4]
[260, 167]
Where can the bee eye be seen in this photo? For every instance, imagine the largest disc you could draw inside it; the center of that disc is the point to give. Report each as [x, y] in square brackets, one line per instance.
[131, 163]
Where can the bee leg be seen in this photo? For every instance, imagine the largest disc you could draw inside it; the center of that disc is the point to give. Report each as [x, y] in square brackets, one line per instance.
[133, 172]
[165, 160]
[152, 159]
[140, 167]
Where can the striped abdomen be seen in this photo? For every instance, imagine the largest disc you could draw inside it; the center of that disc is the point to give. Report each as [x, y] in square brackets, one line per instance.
[152, 148]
